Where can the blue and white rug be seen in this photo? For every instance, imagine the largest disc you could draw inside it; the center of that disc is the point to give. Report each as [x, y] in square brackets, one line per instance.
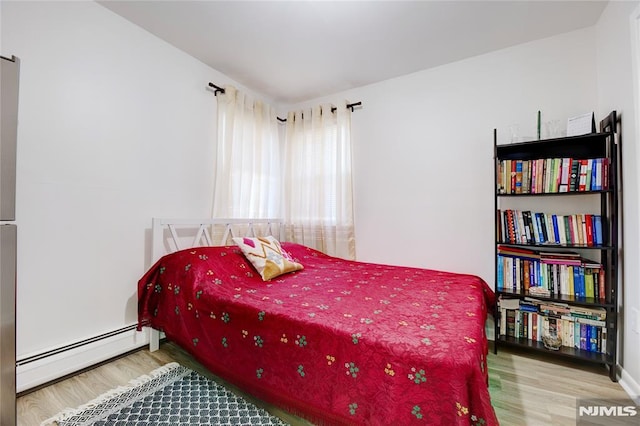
[171, 395]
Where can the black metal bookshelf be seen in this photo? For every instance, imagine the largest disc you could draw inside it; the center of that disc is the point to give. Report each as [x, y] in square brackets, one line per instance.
[601, 145]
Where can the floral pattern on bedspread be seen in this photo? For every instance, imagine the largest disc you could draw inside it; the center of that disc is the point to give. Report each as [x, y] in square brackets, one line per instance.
[340, 342]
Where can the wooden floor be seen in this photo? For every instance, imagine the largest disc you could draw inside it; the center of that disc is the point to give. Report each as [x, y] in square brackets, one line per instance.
[525, 389]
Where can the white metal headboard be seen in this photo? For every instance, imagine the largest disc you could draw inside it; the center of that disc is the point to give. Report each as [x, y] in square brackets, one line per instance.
[202, 229]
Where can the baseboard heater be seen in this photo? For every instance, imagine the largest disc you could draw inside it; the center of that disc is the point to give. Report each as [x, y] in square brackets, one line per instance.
[51, 365]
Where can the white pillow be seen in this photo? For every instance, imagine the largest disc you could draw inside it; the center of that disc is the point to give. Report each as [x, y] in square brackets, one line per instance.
[267, 256]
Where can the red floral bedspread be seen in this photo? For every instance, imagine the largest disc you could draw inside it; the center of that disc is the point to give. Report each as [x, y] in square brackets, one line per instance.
[339, 342]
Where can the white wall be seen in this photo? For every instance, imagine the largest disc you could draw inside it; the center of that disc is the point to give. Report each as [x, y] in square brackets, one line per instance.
[115, 127]
[424, 147]
[616, 83]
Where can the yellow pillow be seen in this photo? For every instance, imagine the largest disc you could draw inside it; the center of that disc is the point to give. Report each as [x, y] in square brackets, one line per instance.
[267, 256]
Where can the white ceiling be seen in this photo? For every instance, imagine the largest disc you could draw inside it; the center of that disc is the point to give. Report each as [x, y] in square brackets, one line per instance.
[293, 51]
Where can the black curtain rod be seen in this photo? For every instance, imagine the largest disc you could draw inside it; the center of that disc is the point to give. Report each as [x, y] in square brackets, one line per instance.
[217, 89]
[282, 120]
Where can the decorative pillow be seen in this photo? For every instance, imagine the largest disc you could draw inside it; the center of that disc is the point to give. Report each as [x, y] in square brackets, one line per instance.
[267, 256]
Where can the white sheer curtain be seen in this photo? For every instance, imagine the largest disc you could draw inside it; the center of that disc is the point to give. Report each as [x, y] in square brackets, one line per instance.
[248, 172]
[317, 184]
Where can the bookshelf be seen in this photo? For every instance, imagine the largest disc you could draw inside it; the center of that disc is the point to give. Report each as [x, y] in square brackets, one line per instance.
[556, 245]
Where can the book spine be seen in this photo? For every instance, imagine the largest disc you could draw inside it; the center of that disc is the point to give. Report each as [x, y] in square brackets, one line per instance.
[500, 273]
[588, 223]
[582, 182]
[534, 176]
[556, 229]
[526, 177]
[539, 219]
[541, 175]
[512, 184]
[598, 229]
[589, 174]
[567, 229]
[602, 293]
[565, 175]
[548, 175]
[589, 290]
[575, 174]
[593, 338]
[518, 176]
[529, 234]
[598, 174]
[571, 290]
[517, 214]
[579, 221]
[557, 171]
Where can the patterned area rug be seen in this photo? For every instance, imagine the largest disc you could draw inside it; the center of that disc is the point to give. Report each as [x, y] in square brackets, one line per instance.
[171, 395]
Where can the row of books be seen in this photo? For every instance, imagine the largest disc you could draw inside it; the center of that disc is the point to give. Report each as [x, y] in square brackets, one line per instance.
[526, 227]
[578, 327]
[549, 273]
[550, 175]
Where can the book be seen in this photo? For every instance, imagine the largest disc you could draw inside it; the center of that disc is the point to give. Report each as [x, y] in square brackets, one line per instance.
[548, 175]
[547, 231]
[589, 290]
[526, 176]
[556, 229]
[588, 321]
[529, 228]
[579, 224]
[575, 172]
[566, 257]
[541, 172]
[588, 222]
[598, 175]
[537, 230]
[593, 338]
[588, 312]
[557, 169]
[539, 291]
[584, 336]
[582, 177]
[597, 220]
[589, 174]
[521, 236]
[518, 181]
[571, 289]
[573, 229]
[499, 274]
[565, 175]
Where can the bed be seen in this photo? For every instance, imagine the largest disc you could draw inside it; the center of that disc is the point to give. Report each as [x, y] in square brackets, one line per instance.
[337, 342]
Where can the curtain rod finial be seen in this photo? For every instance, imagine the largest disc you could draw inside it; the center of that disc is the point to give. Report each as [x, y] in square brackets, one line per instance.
[217, 89]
